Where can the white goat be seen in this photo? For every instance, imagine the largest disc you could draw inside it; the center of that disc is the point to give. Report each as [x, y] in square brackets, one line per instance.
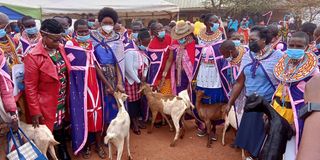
[42, 137]
[175, 106]
[118, 130]
[230, 119]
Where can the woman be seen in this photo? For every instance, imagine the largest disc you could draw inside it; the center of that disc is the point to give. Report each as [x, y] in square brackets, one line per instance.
[181, 58]
[85, 98]
[136, 71]
[109, 51]
[30, 36]
[7, 44]
[293, 71]
[8, 104]
[209, 63]
[256, 76]
[46, 79]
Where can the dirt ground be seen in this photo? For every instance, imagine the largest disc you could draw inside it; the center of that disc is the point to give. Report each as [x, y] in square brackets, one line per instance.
[155, 146]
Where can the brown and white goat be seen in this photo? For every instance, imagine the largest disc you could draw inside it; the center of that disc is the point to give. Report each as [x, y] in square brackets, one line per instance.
[175, 106]
[118, 130]
[209, 113]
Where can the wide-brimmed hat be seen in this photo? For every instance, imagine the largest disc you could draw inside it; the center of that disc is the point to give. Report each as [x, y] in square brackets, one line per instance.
[181, 30]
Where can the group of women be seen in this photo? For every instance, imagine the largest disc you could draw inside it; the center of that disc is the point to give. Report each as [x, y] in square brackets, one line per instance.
[71, 77]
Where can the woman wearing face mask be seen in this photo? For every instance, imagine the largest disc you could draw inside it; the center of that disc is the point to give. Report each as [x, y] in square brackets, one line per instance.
[30, 36]
[136, 71]
[109, 51]
[158, 45]
[293, 71]
[46, 79]
[181, 59]
[158, 53]
[256, 76]
[86, 109]
[7, 44]
[208, 65]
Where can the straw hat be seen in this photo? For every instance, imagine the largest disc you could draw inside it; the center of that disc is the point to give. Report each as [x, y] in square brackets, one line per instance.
[181, 30]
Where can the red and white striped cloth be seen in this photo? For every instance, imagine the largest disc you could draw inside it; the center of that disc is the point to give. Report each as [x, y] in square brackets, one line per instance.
[132, 91]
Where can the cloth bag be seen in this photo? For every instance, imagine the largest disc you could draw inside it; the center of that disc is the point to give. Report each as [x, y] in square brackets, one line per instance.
[27, 151]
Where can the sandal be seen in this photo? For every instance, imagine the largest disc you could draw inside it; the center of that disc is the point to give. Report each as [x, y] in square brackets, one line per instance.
[101, 152]
[86, 154]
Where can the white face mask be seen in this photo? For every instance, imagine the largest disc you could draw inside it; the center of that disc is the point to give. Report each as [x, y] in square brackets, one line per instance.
[107, 28]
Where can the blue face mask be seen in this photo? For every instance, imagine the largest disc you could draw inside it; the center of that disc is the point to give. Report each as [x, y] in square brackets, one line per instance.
[318, 46]
[161, 34]
[83, 38]
[135, 35]
[295, 53]
[237, 43]
[90, 24]
[142, 47]
[182, 41]
[32, 30]
[215, 27]
[2, 33]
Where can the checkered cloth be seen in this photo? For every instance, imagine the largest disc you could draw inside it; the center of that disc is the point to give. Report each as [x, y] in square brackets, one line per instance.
[132, 91]
[26, 150]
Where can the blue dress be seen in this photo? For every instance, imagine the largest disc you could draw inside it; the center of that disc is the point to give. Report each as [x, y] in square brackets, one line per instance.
[109, 54]
[261, 81]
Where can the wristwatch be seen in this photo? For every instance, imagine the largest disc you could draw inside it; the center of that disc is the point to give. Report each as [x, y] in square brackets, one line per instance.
[306, 110]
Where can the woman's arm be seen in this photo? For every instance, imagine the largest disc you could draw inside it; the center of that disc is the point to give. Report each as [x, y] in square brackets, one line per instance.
[130, 59]
[119, 80]
[31, 80]
[236, 90]
[166, 69]
[103, 79]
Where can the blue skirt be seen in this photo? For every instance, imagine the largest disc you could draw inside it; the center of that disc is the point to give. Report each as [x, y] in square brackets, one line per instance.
[110, 108]
[251, 133]
[216, 95]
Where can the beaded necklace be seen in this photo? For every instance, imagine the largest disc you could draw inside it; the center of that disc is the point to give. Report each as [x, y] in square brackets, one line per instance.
[238, 59]
[204, 36]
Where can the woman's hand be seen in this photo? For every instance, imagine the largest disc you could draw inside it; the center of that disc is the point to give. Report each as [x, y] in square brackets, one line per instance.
[14, 121]
[161, 84]
[36, 120]
[120, 88]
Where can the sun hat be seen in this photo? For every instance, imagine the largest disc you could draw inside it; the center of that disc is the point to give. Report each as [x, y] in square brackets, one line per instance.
[181, 30]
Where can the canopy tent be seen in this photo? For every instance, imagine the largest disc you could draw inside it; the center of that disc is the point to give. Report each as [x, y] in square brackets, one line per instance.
[13, 15]
[126, 8]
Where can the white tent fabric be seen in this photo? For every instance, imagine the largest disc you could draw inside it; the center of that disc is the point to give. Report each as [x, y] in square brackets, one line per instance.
[125, 8]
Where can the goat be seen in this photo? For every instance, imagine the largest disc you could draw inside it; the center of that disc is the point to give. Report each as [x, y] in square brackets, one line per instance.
[175, 106]
[279, 130]
[230, 119]
[209, 113]
[42, 137]
[118, 130]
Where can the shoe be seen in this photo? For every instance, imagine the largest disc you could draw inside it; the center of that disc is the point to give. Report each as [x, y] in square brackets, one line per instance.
[86, 153]
[63, 152]
[201, 133]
